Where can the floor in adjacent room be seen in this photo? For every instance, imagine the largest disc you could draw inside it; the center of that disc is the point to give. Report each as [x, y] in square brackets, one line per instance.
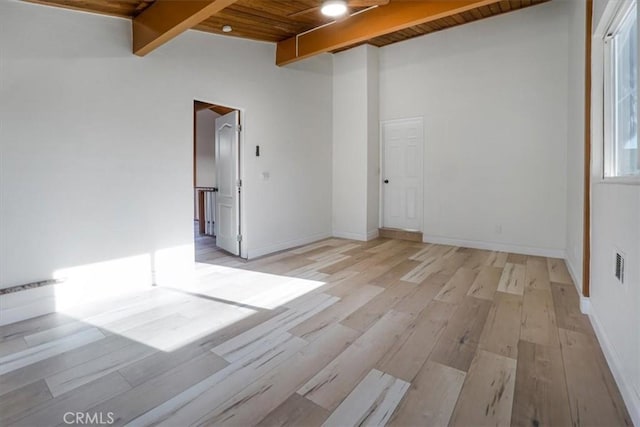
[338, 332]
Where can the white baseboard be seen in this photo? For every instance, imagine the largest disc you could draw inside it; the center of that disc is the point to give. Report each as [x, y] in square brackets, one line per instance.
[373, 234]
[585, 303]
[363, 237]
[281, 246]
[29, 303]
[495, 246]
[629, 394]
[23, 305]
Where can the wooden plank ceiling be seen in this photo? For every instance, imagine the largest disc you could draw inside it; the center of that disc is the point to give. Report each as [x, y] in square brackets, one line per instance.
[278, 20]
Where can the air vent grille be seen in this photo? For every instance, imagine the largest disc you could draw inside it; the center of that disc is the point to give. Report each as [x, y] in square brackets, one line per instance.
[620, 267]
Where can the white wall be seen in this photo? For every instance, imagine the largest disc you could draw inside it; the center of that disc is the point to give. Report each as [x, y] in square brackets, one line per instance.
[355, 143]
[205, 148]
[493, 95]
[373, 142]
[575, 141]
[97, 144]
[615, 307]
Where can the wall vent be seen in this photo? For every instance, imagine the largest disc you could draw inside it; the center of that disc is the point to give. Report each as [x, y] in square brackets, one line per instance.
[620, 267]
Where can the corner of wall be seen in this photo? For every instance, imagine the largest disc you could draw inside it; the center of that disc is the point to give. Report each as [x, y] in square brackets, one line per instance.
[575, 277]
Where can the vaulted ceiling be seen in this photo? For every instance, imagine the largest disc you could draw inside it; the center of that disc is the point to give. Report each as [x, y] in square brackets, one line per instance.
[283, 21]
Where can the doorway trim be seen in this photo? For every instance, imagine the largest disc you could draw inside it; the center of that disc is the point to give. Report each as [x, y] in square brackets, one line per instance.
[382, 168]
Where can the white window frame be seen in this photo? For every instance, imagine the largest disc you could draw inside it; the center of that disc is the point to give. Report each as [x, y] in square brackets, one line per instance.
[624, 10]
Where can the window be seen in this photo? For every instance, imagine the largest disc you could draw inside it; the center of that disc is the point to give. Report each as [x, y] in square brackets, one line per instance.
[621, 153]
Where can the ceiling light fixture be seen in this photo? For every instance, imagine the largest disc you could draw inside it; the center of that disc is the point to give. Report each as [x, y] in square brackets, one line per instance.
[334, 8]
[227, 29]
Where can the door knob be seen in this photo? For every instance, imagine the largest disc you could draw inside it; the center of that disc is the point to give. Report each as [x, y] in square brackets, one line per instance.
[386, 181]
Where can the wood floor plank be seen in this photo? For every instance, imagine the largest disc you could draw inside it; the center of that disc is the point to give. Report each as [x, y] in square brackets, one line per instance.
[431, 398]
[318, 265]
[538, 324]
[423, 294]
[458, 286]
[502, 329]
[238, 346]
[12, 346]
[333, 383]
[593, 396]
[351, 302]
[40, 370]
[146, 396]
[327, 253]
[365, 316]
[486, 283]
[567, 309]
[423, 270]
[353, 258]
[558, 271]
[35, 325]
[434, 251]
[296, 411]
[537, 274]
[265, 394]
[394, 273]
[55, 333]
[486, 397]
[459, 341]
[186, 407]
[285, 265]
[540, 396]
[477, 259]
[15, 404]
[513, 279]
[517, 259]
[79, 375]
[405, 358]
[52, 411]
[393, 267]
[372, 402]
[497, 259]
[44, 351]
[161, 362]
[383, 260]
[386, 246]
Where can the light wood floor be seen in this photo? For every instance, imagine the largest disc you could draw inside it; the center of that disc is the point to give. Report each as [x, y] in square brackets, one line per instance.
[337, 333]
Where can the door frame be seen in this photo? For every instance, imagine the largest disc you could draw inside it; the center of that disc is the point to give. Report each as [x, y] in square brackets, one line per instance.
[241, 167]
[382, 170]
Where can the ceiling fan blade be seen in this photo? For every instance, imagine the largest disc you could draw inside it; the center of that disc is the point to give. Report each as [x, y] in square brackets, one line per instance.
[367, 3]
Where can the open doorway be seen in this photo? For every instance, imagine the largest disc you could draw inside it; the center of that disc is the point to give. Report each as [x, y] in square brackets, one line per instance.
[216, 181]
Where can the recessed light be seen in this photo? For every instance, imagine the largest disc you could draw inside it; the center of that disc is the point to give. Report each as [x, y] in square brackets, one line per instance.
[227, 29]
[334, 8]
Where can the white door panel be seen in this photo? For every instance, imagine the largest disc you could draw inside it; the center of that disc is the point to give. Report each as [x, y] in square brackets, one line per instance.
[227, 199]
[402, 160]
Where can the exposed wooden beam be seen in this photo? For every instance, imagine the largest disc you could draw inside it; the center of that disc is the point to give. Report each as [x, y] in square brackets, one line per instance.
[166, 19]
[395, 16]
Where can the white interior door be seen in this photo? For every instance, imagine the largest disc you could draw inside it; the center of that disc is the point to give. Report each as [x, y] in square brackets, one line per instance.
[228, 179]
[402, 182]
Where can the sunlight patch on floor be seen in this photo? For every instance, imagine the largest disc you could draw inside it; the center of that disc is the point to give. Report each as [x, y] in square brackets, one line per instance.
[169, 317]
